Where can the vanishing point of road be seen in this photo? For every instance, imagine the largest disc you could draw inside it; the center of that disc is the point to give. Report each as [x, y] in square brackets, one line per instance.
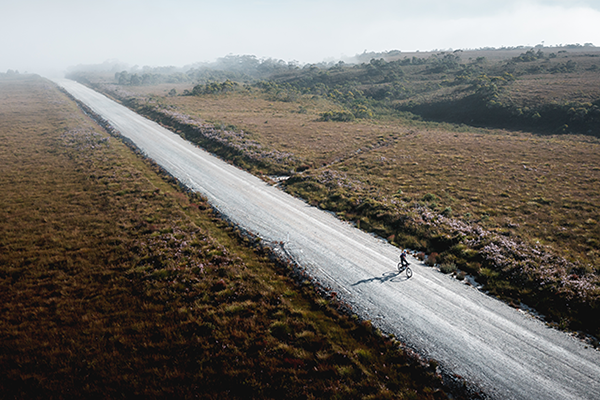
[507, 353]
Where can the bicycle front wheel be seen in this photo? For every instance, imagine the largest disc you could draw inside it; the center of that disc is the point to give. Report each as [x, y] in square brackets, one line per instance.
[408, 272]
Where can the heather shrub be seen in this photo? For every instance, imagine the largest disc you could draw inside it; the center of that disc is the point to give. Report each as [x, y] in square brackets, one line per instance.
[431, 259]
[280, 329]
[340, 116]
[448, 258]
[430, 197]
[448, 268]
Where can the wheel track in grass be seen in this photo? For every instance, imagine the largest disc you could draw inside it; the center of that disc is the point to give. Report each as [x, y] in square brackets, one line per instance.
[506, 353]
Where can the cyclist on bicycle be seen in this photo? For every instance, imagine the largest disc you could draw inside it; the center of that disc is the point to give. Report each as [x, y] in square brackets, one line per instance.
[403, 261]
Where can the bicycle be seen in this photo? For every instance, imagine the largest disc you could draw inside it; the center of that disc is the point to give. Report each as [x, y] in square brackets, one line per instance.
[403, 268]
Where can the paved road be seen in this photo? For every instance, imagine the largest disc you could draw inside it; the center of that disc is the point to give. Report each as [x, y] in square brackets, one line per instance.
[507, 353]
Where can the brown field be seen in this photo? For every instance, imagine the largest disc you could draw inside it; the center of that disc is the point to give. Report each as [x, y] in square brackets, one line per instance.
[545, 184]
[114, 284]
[584, 87]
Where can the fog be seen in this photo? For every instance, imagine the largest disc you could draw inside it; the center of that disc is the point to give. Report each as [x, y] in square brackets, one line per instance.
[48, 37]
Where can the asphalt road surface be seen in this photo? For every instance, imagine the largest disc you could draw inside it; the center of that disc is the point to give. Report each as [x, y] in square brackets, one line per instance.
[505, 352]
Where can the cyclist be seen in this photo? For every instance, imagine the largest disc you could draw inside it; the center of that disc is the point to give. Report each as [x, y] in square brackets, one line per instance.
[403, 261]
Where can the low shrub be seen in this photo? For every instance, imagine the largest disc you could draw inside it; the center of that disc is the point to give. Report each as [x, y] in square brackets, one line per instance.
[431, 259]
[340, 116]
[448, 268]
[430, 197]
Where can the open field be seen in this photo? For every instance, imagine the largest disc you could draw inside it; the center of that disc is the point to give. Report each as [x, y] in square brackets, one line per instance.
[518, 210]
[113, 283]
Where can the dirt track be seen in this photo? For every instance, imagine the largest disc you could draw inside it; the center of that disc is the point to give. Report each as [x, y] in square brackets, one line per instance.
[509, 354]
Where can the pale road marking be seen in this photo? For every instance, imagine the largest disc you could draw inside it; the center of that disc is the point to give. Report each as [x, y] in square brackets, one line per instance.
[508, 354]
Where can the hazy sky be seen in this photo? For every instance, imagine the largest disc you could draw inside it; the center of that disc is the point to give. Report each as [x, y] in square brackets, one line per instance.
[42, 35]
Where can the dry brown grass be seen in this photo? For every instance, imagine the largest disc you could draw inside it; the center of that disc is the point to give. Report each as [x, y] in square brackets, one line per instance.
[276, 124]
[115, 284]
[532, 90]
[545, 185]
[539, 190]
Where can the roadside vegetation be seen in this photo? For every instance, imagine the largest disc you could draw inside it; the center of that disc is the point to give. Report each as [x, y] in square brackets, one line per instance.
[114, 283]
[482, 162]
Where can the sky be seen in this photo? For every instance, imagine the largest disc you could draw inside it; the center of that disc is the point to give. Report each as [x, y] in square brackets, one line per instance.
[49, 36]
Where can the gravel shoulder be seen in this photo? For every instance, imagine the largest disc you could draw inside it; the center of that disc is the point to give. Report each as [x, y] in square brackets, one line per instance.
[509, 354]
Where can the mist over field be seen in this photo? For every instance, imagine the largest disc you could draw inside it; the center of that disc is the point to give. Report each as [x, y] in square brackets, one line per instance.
[48, 37]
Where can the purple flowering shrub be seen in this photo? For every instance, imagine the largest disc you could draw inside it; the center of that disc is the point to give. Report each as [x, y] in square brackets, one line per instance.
[510, 268]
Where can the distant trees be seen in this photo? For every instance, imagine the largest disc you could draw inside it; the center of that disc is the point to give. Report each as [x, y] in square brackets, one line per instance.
[414, 61]
[569, 66]
[122, 78]
[135, 80]
[149, 78]
[214, 88]
[391, 84]
[125, 78]
[383, 71]
[443, 62]
[529, 56]
[241, 68]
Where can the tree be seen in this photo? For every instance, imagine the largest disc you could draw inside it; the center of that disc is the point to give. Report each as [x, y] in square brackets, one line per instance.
[122, 78]
[443, 62]
[135, 80]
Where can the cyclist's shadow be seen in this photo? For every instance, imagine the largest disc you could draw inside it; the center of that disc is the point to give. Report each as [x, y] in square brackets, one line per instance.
[391, 276]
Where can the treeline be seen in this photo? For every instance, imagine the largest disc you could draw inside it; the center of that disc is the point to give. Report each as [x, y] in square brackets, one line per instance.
[244, 68]
[367, 56]
[484, 109]
[480, 90]
[363, 90]
[399, 85]
[135, 79]
[488, 102]
[417, 84]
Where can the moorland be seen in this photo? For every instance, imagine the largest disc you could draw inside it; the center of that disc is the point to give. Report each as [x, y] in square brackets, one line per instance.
[483, 162]
[115, 283]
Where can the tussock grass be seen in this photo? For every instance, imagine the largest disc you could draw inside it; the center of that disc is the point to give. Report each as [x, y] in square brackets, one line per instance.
[114, 284]
[525, 205]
